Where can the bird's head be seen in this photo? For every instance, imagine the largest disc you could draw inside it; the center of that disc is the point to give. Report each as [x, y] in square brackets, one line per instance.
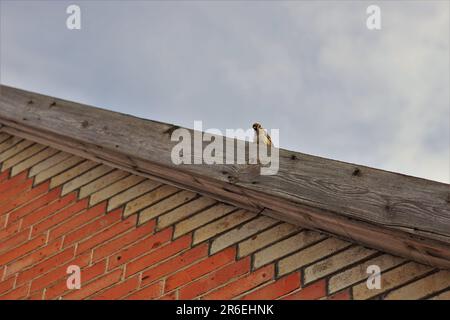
[256, 126]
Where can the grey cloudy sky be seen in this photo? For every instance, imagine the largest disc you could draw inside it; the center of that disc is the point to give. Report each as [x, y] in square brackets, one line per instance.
[310, 68]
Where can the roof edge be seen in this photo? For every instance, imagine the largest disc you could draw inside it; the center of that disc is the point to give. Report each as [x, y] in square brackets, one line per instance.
[392, 212]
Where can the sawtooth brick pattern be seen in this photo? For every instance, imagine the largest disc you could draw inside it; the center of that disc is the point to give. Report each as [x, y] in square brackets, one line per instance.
[134, 238]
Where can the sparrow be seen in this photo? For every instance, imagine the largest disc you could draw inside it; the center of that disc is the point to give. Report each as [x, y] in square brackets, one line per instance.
[261, 134]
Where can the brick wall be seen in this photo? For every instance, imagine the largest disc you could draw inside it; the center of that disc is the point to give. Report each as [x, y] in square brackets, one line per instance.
[135, 238]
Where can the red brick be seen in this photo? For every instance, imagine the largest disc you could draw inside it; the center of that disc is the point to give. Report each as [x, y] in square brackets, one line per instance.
[4, 175]
[169, 296]
[14, 181]
[124, 240]
[59, 217]
[7, 195]
[276, 289]
[46, 266]
[94, 227]
[9, 231]
[87, 274]
[19, 200]
[158, 255]
[49, 210]
[145, 245]
[78, 220]
[16, 294]
[15, 240]
[59, 273]
[120, 290]
[6, 285]
[3, 219]
[242, 285]
[215, 279]
[22, 249]
[151, 292]
[36, 296]
[341, 295]
[201, 268]
[175, 264]
[30, 208]
[94, 286]
[32, 258]
[109, 233]
[313, 291]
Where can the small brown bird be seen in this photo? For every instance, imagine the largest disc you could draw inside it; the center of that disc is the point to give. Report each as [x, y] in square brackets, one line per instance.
[261, 134]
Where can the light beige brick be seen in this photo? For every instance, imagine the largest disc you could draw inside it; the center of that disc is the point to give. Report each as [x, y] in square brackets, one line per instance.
[201, 219]
[58, 168]
[28, 163]
[115, 188]
[15, 150]
[85, 178]
[184, 211]
[336, 262]
[226, 223]
[3, 137]
[21, 156]
[285, 247]
[165, 205]
[265, 238]
[102, 182]
[311, 254]
[237, 234]
[359, 272]
[134, 192]
[48, 163]
[72, 173]
[442, 296]
[149, 199]
[9, 143]
[391, 279]
[422, 287]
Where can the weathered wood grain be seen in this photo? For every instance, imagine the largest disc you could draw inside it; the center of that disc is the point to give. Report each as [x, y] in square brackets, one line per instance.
[396, 213]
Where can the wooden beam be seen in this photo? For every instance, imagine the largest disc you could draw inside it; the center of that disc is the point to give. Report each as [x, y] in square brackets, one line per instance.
[392, 212]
